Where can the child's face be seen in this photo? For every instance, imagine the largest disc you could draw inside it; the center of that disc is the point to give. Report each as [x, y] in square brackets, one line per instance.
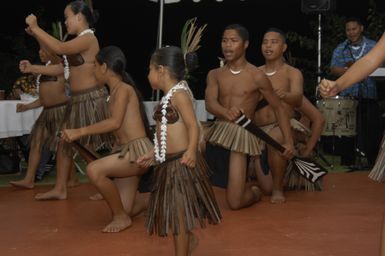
[153, 76]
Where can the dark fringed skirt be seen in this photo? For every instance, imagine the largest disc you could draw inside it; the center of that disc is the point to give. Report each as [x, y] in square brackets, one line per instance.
[181, 195]
[85, 108]
[378, 171]
[44, 131]
[233, 137]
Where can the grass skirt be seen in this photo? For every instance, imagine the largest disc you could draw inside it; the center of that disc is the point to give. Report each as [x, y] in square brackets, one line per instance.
[179, 192]
[233, 137]
[378, 171]
[44, 131]
[85, 108]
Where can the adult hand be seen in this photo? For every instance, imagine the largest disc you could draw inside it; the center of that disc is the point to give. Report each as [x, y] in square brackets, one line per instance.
[233, 113]
[145, 160]
[328, 88]
[289, 151]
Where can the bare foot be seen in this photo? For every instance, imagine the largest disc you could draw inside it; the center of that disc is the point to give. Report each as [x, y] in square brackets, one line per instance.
[277, 197]
[51, 195]
[257, 193]
[96, 197]
[118, 224]
[193, 243]
[22, 184]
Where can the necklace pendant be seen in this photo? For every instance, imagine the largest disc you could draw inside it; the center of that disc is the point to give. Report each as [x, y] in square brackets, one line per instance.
[235, 72]
[271, 73]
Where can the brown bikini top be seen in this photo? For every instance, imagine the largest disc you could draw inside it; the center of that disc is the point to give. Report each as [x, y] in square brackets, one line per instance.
[45, 78]
[75, 60]
[172, 114]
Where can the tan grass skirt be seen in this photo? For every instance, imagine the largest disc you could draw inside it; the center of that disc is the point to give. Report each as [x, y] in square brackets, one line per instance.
[44, 131]
[233, 137]
[181, 195]
[135, 148]
[378, 171]
[85, 108]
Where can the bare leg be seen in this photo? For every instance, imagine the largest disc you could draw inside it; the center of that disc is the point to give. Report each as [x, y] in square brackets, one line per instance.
[99, 172]
[63, 165]
[127, 187]
[73, 180]
[265, 181]
[238, 194]
[182, 240]
[278, 166]
[140, 204]
[33, 163]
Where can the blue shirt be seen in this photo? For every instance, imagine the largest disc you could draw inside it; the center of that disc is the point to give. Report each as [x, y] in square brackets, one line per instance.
[345, 53]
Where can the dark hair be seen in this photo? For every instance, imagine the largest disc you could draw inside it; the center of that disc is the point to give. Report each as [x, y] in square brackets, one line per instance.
[172, 57]
[79, 6]
[241, 30]
[115, 60]
[354, 19]
[279, 31]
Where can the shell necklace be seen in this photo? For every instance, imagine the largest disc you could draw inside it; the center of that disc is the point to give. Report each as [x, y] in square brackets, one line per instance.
[160, 152]
[356, 57]
[65, 60]
[39, 76]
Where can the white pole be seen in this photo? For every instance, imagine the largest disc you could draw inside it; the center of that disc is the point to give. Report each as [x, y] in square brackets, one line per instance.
[160, 34]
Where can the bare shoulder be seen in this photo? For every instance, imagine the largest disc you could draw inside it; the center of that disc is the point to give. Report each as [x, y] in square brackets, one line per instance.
[293, 70]
[256, 72]
[213, 73]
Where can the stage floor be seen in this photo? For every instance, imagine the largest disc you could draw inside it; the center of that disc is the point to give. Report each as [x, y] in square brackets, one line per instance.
[342, 220]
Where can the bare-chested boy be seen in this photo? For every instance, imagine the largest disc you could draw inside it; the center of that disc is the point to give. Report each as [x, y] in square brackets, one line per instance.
[287, 83]
[232, 89]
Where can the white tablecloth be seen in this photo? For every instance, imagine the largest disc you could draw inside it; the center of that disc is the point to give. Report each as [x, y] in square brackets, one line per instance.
[16, 124]
[200, 110]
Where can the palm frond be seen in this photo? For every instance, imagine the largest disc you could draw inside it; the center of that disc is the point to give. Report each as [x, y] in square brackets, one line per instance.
[191, 36]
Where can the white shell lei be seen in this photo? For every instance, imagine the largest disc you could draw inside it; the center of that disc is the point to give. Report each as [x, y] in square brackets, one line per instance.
[160, 153]
[66, 64]
[39, 76]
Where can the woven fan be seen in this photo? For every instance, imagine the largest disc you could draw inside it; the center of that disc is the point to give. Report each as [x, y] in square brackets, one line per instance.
[304, 166]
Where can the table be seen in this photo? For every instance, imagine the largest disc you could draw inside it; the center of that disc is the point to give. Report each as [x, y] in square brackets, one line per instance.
[199, 105]
[14, 124]
[379, 72]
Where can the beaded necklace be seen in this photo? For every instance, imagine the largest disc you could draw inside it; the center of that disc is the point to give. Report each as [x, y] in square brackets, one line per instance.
[160, 153]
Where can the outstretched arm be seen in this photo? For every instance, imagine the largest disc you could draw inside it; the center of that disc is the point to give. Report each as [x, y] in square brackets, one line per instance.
[357, 72]
[51, 70]
[73, 46]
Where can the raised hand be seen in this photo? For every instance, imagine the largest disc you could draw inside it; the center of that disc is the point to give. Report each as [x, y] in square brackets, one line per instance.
[31, 21]
[25, 66]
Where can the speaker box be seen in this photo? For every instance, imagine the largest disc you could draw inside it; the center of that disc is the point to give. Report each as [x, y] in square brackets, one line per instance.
[308, 6]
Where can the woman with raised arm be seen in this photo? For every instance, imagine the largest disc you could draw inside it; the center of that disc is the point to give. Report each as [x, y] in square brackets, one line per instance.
[88, 98]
